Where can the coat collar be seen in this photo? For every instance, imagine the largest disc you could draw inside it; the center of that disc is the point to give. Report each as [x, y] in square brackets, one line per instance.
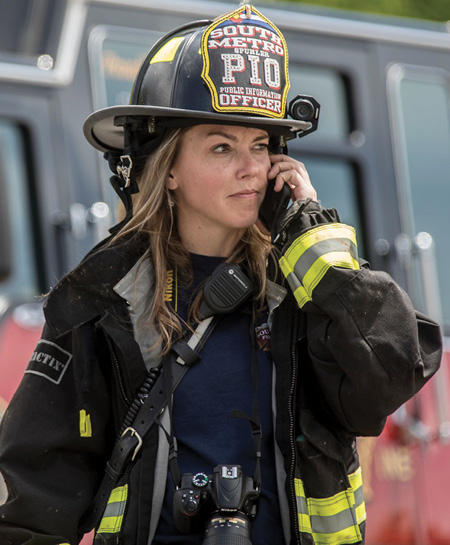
[109, 276]
[134, 288]
[88, 291]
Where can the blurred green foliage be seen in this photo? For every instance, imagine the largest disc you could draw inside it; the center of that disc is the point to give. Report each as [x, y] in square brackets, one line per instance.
[434, 10]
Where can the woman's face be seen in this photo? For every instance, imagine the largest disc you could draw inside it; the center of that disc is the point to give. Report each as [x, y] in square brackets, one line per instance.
[219, 179]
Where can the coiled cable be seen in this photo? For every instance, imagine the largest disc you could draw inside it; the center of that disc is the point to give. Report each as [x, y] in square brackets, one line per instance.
[144, 390]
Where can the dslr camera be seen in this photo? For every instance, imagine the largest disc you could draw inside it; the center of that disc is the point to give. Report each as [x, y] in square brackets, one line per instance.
[223, 503]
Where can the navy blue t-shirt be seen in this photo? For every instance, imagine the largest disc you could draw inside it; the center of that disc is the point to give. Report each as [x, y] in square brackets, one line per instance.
[207, 434]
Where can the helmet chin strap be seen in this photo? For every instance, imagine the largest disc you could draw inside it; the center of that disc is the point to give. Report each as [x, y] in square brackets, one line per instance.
[124, 181]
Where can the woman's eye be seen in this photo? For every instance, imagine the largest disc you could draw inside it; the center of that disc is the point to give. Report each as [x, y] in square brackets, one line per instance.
[224, 148]
[262, 147]
[221, 148]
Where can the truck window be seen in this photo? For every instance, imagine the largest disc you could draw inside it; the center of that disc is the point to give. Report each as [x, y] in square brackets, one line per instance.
[19, 280]
[420, 108]
[115, 56]
[30, 28]
[334, 179]
[328, 87]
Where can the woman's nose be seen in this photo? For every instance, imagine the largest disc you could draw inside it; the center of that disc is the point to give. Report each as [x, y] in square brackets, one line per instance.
[249, 165]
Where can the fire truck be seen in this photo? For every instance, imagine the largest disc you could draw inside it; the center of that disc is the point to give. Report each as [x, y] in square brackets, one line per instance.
[381, 156]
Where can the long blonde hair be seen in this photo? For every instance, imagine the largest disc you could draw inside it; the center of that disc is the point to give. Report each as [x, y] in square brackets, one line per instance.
[155, 215]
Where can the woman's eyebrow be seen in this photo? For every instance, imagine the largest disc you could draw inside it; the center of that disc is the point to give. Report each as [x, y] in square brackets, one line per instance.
[232, 137]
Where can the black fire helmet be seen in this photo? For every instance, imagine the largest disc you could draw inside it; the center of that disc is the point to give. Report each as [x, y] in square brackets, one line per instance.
[233, 70]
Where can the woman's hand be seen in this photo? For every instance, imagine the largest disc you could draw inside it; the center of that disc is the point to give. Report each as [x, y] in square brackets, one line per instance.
[287, 170]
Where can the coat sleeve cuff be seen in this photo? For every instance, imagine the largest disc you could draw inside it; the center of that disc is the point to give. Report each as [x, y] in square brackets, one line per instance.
[308, 258]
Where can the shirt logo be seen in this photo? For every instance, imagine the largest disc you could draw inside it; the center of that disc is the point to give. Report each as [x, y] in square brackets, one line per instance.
[49, 361]
[263, 337]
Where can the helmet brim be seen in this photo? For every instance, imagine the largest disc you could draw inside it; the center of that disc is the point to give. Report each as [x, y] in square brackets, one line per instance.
[105, 134]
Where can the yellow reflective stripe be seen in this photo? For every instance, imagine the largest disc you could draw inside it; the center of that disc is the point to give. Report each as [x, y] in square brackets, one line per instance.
[310, 256]
[113, 516]
[323, 263]
[346, 536]
[85, 424]
[119, 494]
[110, 525]
[331, 506]
[323, 232]
[356, 483]
[323, 239]
[333, 520]
[168, 51]
[298, 290]
[303, 518]
[360, 512]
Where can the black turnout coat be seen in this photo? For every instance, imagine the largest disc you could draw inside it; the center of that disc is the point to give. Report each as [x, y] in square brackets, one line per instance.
[350, 356]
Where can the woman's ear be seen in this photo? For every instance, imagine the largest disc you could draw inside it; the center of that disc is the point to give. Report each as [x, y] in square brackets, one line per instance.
[171, 182]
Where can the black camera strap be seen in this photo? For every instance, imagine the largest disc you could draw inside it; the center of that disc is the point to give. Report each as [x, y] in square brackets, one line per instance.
[227, 288]
[176, 363]
[254, 421]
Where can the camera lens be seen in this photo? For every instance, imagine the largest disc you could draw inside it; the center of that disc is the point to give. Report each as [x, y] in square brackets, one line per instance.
[227, 530]
[302, 110]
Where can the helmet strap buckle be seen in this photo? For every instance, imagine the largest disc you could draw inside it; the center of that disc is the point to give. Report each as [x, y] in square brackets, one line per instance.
[125, 168]
[151, 125]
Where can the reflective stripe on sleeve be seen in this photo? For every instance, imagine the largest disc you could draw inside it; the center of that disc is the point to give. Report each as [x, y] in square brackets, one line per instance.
[310, 256]
[334, 520]
[113, 516]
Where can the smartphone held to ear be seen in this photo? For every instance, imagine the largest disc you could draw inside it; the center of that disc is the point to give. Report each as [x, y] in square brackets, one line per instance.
[274, 205]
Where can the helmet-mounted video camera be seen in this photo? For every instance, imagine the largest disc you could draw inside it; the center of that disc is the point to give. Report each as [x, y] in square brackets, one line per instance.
[305, 108]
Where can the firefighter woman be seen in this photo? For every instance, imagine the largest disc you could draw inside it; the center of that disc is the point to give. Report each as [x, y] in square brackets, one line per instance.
[204, 372]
